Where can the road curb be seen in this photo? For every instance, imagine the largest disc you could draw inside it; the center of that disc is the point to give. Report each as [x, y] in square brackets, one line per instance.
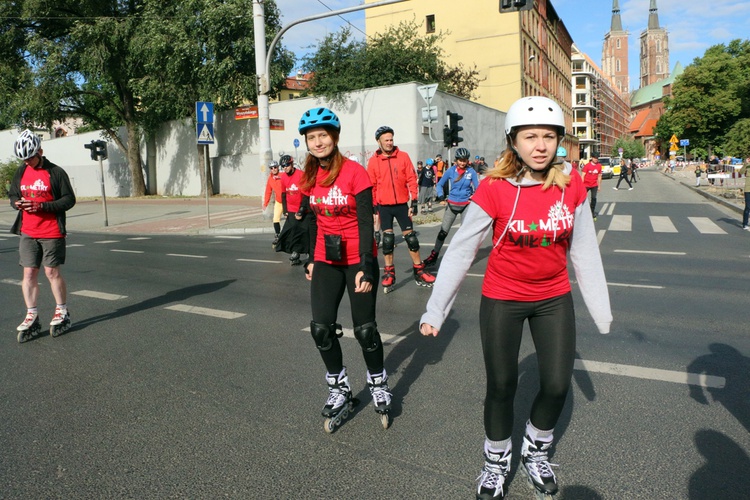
[714, 198]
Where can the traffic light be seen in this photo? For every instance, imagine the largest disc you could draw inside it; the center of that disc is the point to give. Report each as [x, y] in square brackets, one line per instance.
[447, 139]
[454, 128]
[515, 5]
[98, 149]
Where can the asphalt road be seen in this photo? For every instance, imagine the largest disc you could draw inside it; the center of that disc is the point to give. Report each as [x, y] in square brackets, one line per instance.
[190, 374]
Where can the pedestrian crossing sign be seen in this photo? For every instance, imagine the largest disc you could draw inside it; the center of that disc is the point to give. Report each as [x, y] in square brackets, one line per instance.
[205, 133]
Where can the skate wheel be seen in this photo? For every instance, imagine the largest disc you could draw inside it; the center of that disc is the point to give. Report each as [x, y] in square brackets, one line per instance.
[385, 420]
[329, 426]
[21, 337]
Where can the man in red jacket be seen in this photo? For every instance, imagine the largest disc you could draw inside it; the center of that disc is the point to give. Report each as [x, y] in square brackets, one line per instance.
[394, 184]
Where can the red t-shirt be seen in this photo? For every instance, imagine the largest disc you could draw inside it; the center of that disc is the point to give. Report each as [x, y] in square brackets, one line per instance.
[36, 186]
[336, 211]
[290, 185]
[591, 173]
[530, 263]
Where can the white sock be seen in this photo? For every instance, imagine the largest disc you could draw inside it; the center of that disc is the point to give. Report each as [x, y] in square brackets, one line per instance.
[537, 434]
[501, 448]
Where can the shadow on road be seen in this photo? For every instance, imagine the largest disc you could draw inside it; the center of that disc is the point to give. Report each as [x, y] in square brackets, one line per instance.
[724, 474]
[179, 295]
[725, 361]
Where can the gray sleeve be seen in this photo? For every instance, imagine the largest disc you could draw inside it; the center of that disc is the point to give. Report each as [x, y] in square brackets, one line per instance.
[456, 263]
[588, 268]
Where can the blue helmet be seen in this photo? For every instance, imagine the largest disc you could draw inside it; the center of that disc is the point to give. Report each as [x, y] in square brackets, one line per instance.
[318, 117]
[562, 152]
[430, 162]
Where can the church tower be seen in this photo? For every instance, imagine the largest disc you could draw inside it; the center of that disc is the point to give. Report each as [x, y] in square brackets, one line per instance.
[615, 52]
[654, 50]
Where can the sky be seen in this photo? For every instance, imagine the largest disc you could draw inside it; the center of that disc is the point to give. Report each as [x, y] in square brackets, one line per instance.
[693, 25]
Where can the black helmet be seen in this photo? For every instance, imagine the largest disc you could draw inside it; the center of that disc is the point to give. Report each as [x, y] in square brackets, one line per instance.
[285, 161]
[462, 154]
[385, 129]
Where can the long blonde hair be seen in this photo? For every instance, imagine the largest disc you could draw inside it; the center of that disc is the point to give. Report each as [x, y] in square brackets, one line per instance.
[510, 166]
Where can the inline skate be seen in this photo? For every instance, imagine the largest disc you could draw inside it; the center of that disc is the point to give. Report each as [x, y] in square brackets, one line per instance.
[340, 401]
[60, 323]
[381, 396]
[29, 328]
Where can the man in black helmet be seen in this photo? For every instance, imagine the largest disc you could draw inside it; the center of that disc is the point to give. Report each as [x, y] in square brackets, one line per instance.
[394, 185]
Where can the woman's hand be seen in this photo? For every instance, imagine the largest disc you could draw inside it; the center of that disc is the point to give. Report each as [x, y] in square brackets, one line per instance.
[428, 330]
[309, 271]
[361, 286]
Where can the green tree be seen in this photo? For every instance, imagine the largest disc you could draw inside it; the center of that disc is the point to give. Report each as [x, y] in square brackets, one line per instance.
[131, 63]
[399, 55]
[737, 139]
[631, 148]
[711, 95]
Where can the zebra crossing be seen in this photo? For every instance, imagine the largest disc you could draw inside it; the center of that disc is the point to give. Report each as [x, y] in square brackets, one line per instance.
[657, 223]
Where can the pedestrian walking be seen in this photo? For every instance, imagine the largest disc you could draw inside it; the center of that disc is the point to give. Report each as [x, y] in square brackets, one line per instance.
[462, 180]
[634, 177]
[426, 181]
[624, 173]
[394, 186]
[592, 181]
[535, 210]
[42, 193]
[698, 173]
[343, 258]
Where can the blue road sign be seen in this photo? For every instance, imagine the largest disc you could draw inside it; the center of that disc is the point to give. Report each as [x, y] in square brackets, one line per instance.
[296, 143]
[204, 112]
[205, 133]
[684, 142]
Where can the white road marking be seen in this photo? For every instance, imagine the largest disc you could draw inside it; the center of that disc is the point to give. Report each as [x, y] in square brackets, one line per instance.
[12, 281]
[98, 295]
[125, 251]
[650, 252]
[105, 242]
[699, 379]
[71, 245]
[260, 261]
[706, 226]
[188, 256]
[600, 236]
[204, 311]
[475, 275]
[661, 224]
[603, 209]
[621, 223]
[229, 237]
[630, 285]
[384, 337]
[611, 209]
[140, 238]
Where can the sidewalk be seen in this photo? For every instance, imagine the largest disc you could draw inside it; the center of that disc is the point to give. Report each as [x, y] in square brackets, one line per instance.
[713, 193]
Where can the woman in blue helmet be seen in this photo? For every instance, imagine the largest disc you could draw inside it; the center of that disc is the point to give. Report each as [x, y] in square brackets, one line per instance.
[343, 257]
[462, 180]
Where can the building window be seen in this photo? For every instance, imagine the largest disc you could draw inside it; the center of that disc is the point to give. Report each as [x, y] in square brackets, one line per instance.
[430, 21]
[618, 43]
[617, 65]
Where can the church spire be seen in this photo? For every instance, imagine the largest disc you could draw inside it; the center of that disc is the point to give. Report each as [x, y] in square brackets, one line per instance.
[653, 16]
[616, 24]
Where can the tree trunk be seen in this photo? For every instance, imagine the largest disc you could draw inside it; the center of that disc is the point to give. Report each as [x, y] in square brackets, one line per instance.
[202, 169]
[134, 160]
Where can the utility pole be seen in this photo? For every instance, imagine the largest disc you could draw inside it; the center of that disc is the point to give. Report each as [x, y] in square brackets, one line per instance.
[263, 65]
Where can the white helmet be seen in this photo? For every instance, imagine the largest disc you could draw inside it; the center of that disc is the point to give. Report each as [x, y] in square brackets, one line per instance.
[27, 144]
[534, 110]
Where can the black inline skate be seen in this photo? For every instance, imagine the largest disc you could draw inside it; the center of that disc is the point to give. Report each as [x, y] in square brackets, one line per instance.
[60, 323]
[340, 401]
[381, 396]
[538, 470]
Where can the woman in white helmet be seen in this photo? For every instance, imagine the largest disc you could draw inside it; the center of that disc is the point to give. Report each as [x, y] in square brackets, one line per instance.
[530, 202]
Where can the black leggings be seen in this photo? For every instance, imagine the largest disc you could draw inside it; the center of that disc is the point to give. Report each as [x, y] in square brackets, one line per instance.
[326, 291]
[553, 329]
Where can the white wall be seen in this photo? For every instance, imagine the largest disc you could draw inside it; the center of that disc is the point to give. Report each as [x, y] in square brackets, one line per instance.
[234, 157]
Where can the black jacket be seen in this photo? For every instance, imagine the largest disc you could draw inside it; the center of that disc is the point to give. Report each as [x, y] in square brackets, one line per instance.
[62, 191]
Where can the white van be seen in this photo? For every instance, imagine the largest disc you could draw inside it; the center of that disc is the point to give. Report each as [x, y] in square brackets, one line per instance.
[606, 163]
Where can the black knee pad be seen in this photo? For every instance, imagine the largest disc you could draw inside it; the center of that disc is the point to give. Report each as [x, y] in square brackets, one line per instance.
[324, 335]
[389, 243]
[412, 242]
[368, 336]
[442, 235]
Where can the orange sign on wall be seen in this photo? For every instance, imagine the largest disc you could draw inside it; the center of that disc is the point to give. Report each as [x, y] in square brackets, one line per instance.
[276, 124]
[245, 112]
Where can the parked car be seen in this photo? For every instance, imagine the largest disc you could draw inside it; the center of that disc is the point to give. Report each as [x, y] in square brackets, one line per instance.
[606, 163]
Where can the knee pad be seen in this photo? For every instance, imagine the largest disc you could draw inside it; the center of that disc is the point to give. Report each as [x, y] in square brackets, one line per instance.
[389, 243]
[442, 235]
[368, 336]
[412, 242]
[324, 335]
